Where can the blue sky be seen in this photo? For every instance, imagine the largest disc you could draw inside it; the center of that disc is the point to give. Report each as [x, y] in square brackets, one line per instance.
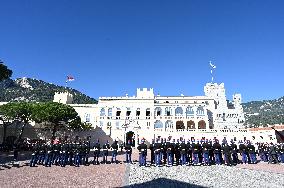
[113, 47]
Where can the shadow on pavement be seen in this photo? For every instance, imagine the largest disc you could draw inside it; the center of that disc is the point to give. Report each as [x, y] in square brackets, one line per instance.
[165, 183]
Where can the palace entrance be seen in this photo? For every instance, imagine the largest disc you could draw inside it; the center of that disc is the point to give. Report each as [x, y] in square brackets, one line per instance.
[130, 136]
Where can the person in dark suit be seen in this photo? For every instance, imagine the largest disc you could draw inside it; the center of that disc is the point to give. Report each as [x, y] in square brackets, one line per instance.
[142, 153]
[97, 148]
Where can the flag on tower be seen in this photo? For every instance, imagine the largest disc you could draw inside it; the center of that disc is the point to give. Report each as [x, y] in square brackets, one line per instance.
[213, 66]
[70, 78]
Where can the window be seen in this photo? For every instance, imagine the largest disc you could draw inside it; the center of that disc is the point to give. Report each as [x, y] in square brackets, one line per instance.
[110, 112]
[117, 124]
[200, 111]
[148, 112]
[179, 111]
[158, 111]
[87, 117]
[103, 112]
[158, 124]
[101, 124]
[168, 111]
[189, 111]
[118, 112]
[138, 112]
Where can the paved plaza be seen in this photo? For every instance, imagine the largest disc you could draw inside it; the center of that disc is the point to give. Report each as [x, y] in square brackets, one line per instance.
[125, 175]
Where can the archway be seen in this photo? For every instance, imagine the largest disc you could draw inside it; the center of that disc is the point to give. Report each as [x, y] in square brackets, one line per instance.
[179, 125]
[190, 125]
[201, 124]
[130, 136]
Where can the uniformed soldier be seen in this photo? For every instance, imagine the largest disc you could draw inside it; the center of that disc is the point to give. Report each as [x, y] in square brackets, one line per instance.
[128, 152]
[77, 153]
[48, 154]
[234, 150]
[183, 151]
[56, 153]
[121, 147]
[227, 153]
[282, 152]
[251, 151]
[71, 150]
[272, 154]
[142, 153]
[152, 148]
[157, 149]
[169, 150]
[211, 153]
[243, 151]
[97, 148]
[217, 152]
[35, 153]
[63, 154]
[195, 152]
[189, 152]
[165, 152]
[42, 147]
[106, 147]
[114, 148]
[177, 152]
[205, 153]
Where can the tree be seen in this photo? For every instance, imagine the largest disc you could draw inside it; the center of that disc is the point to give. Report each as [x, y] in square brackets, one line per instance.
[16, 111]
[4, 72]
[56, 114]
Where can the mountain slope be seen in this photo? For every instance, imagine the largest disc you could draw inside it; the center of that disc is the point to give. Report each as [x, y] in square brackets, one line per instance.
[27, 89]
[264, 112]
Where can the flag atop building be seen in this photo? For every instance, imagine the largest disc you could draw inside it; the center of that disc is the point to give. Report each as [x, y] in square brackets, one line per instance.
[70, 78]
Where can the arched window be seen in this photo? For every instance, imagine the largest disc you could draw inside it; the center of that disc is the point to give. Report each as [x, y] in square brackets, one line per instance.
[158, 124]
[168, 111]
[103, 112]
[109, 112]
[201, 124]
[158, 111]
[118, 112]
[168, 125]
[200, 111]
[179, 111]
[87, 117]
[189, 111]
[138, 112]
[190, 125]
[179, 125]
[101, 124]
[148, 112]
[117, 124]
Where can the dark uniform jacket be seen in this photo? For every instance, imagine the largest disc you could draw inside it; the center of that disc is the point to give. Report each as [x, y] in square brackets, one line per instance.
[216, 148]
[142, 149]
[114, 146]
[97, 148]
[234, 148]
[128, 148]
[157, 148]
[106, 147]
[251, 149]
[182, 148]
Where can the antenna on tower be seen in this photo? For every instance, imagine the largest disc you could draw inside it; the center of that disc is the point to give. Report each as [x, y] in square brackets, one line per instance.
[212, 68]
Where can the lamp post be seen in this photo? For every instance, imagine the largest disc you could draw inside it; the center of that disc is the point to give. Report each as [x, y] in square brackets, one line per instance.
[137, 128]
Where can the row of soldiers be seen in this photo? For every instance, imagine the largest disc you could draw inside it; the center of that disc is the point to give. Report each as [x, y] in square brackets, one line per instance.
[76, 153]
[162, 152]
[206, 152]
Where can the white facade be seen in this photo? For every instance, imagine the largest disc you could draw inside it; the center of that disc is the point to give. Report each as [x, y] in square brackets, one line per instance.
[176, 117]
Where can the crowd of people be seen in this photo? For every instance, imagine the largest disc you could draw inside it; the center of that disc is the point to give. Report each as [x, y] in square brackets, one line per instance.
[162, 152]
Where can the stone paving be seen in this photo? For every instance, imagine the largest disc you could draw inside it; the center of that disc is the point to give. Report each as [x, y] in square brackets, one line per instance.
[119, 175]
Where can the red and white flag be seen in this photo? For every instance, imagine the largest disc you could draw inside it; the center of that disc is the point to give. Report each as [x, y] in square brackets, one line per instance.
[70, 78]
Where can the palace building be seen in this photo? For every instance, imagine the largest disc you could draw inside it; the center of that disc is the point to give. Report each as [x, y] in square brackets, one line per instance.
[149, 116]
